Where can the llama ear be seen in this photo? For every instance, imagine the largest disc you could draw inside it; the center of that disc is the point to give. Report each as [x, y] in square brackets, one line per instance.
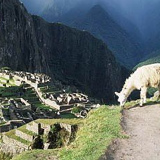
[116, 93]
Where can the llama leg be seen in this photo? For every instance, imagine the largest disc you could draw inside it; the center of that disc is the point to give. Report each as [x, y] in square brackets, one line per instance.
[143, 95]
[158, 97]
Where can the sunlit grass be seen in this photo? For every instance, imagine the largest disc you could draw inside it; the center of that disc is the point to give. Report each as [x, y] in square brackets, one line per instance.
[94, 135]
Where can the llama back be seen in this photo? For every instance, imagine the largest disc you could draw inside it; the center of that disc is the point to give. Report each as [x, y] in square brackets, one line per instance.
[148, 75]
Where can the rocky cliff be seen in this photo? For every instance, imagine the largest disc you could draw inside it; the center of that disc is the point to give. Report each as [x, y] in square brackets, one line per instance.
[75, 57]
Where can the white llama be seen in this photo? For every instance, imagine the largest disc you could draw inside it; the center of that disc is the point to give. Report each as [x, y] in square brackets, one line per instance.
[141, 79]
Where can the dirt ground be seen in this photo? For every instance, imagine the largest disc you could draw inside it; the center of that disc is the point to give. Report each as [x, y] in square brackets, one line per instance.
[142, 125]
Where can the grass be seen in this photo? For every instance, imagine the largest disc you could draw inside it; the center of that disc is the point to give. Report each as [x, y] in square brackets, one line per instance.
[135, 103]
[43, 106]
[11, 134]
[37, 155]
[93, 137]
[4, 156]
[24, 130]
[67, 115]
[54, 121]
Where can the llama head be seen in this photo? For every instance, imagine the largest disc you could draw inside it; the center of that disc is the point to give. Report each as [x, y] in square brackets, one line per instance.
[121, 98]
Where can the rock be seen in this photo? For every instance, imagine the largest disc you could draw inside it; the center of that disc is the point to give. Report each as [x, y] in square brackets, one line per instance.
[74, 54]
[46, 146]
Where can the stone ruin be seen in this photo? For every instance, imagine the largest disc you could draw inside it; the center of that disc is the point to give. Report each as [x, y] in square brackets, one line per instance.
[38, 136]
[35, 78]
[63, 101]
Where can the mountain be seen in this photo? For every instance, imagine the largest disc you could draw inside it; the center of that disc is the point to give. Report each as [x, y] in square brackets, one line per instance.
[75, 57]
[98, 22]
[153, 57]
[113, 28]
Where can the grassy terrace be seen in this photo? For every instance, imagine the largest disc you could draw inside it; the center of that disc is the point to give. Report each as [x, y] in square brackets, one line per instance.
[30, 95]
[53, 121]
[67, 115]
[94, 135]
[24, 130]
[11, 134]
[8, 82]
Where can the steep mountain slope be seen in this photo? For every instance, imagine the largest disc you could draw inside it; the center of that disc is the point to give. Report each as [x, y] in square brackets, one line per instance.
[18, 44]
[75, 57]
[98, 22]
[125, 41]
[154, 57]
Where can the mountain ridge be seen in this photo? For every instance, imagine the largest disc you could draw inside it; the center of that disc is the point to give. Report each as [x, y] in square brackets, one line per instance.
[98, 22]
[64, 53]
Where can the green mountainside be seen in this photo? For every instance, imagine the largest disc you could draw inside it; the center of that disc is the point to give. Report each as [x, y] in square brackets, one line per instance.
[91, 143]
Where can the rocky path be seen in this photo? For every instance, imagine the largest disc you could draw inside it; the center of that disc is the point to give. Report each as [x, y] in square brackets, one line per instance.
[142, 124]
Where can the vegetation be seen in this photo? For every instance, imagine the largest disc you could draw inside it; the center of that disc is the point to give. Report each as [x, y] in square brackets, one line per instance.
[154, 57]
[11, 134]
[5, 68]
[77, 109]
[135, 103]
[67, 115]
[24, 130]
[94, 135]
[4, 156]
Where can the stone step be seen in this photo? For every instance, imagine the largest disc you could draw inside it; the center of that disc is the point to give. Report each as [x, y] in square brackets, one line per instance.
[24, 135]
[33, 127]
[13, 145]
[66, 108]
[16, 139]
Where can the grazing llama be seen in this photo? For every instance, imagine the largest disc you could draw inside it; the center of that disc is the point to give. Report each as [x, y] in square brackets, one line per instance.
[144, 77]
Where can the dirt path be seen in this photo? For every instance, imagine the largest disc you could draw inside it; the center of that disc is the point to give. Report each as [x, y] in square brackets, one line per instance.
[142, 124]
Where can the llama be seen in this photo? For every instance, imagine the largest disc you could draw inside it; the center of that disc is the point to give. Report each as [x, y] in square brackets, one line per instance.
[144, 77]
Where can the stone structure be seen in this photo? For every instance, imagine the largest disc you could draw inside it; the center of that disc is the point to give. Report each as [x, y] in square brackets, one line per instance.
[38, 136]
[24, 136]
[13, 146]
[11, 125]
[33, 80]
[34, 127]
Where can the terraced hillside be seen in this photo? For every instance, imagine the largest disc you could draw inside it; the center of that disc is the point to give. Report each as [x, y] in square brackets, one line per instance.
[26, 97]
[90, 142]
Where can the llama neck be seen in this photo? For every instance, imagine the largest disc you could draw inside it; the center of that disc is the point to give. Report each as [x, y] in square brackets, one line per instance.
[129, 91]
[129, 87]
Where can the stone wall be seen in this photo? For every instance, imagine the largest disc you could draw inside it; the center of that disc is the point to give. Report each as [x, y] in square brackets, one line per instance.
[39, 93]
[12, 146]
[5, 128]
[49, 102]
[34, 127]
[28, 105]
[24, 135]
[46, 128]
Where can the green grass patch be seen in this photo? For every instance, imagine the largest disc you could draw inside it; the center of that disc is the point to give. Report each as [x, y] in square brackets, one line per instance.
[24, 130]
[37, 155]
[93, 137]
[2, 78]
[4, 156]
[54, 121]
[67, 115]
[11, 134]
[135, 103]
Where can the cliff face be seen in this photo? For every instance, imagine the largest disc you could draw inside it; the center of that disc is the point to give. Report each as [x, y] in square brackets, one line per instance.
[18, 45]
[74, 57]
